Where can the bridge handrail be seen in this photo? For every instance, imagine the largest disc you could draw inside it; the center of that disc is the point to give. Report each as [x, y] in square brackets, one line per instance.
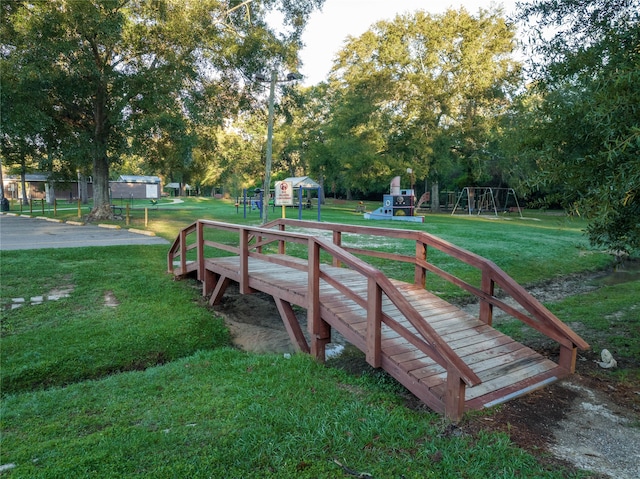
[540, 317]
[437, 348]
[444, 355]
[179, 248]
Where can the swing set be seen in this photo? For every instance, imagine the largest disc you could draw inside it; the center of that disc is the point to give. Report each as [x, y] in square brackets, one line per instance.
[484, 199]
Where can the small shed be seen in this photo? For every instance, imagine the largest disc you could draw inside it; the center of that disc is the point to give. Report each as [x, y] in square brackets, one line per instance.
[175, 187]
[303, 182]
[136, 186]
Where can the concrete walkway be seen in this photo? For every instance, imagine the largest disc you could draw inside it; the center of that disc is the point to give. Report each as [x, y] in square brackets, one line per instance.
[21, 232]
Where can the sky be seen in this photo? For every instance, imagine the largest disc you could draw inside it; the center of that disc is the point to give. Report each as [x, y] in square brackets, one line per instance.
[327, 30]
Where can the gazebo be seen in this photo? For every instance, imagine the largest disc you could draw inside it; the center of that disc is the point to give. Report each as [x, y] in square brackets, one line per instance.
[304, 183]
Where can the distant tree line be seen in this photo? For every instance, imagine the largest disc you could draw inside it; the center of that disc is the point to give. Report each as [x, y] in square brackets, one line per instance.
[167, 88]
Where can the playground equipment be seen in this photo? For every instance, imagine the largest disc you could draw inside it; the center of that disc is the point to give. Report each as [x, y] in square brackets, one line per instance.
[298, 184]
[483, 199]
[397, 206]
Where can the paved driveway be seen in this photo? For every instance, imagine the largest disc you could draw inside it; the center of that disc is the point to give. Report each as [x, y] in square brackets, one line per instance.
[19, 232]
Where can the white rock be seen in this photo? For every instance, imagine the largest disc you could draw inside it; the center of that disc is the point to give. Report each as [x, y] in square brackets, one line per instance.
[607, 360]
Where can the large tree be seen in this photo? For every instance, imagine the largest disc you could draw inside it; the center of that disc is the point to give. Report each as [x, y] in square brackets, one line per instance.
[421, 90]
[583, 122]
[116, 68]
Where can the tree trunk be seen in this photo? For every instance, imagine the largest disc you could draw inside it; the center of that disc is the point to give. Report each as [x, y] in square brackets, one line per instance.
[435, 197]
[23, 181]
[83, 190]
[51, 193]
[101, 198]
[1, 182]
[101, 201]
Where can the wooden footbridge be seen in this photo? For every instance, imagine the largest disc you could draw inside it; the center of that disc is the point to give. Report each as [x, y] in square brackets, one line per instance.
[449, 359]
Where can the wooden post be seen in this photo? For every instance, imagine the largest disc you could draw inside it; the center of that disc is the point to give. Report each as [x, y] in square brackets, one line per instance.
[282, 248]
[320, 331]
[183, 253]
[55, 207]
[337, 240]
[209, 282]
[454, 396]
[567, 359]
[292, 325]
[200, 250]
[486, 309]
[244, 262]
[374, 323]
[79, 209]
[420, 274]
[258, 241]
[146, 216]
[221, 284]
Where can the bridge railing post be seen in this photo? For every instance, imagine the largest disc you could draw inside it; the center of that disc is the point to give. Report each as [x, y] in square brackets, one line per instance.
[337, 240]
[374, 323]
[282, 248]
[319, 330]
[454, 396]
[420, 274]
[244, 261]
[200, 249]
[183, 252]
[486, 308]
[567, 359]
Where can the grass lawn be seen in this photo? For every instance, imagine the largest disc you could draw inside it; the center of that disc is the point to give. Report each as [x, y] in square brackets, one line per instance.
[130, 375]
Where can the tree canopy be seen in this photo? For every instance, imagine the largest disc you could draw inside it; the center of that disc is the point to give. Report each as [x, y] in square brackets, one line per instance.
[104, 72]
[582, 119]
[420, 91]
[165, 87]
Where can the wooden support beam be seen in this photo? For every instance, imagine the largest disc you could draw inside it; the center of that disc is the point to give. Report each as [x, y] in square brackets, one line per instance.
[218, 292]
[319, 329]
[454, 397]
[486, 309]
[567, 359]
[292, 325]
[209, 282]
[337, 240]
[420, 274]
[183, 252]
[319, 346]
[244, 262]
[200, 250]
[374, 323]
[282, 245]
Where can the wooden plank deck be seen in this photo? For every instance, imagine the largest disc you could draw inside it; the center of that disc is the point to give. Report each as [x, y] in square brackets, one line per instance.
[506, 367]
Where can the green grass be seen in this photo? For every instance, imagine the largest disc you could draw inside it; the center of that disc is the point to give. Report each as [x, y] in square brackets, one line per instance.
[607, 318]
[80, 337]
[150, 388]
[230, 414]
[611, 318]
